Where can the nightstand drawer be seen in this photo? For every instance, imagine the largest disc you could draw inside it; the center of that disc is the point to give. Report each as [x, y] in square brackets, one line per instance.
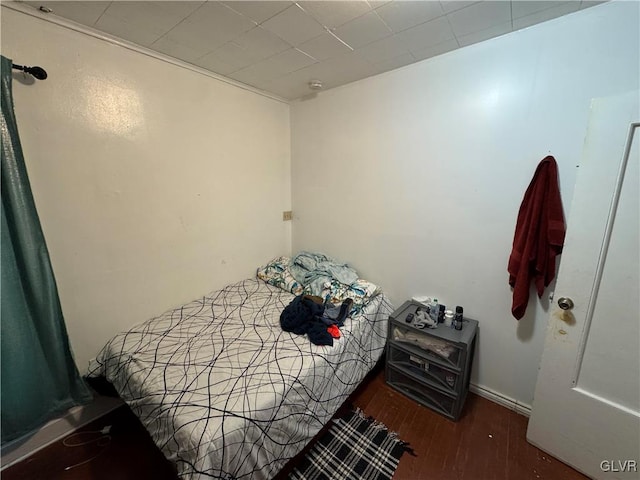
[447, 380]
[429, 397]
[441, 351]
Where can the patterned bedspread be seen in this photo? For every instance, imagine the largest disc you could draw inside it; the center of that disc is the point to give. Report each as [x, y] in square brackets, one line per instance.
[224, 392]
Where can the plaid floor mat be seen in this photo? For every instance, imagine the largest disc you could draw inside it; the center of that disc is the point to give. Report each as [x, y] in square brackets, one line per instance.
[354, 447]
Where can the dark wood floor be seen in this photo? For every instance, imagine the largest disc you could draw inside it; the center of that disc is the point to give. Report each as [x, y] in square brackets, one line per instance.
[487, 443]
[129, 455]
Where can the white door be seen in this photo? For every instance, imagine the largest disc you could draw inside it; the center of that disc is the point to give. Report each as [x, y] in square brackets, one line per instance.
[586, 408]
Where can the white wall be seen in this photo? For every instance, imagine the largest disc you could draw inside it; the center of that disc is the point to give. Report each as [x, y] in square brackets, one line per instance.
[416, 176]
[154, 184]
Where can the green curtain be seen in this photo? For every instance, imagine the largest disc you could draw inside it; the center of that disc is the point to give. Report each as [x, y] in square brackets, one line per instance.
[39, 377]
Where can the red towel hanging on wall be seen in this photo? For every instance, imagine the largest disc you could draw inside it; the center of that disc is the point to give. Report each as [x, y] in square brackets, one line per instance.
[538, 238]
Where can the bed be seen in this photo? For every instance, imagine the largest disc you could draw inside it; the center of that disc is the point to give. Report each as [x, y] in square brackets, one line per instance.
[224, 391]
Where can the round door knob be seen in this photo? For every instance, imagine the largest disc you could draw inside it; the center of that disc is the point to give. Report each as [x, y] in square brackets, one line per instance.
[565, 303]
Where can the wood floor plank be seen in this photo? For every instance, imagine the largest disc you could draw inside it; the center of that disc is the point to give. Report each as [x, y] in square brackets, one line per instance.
[500, 438]
[488, 442]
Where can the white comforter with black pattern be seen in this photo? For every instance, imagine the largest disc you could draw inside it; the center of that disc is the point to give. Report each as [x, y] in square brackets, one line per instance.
[224, 392]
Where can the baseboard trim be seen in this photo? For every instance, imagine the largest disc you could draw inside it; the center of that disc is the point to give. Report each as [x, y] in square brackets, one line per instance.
[500, 399]
[75, 418]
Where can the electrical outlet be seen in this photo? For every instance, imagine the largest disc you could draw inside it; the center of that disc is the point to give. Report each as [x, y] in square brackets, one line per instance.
[288, 215]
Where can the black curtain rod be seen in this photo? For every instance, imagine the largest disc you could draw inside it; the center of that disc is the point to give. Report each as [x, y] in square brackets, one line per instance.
[37, 72]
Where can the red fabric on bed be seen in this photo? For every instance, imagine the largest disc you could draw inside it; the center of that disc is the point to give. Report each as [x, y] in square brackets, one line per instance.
[539, 236]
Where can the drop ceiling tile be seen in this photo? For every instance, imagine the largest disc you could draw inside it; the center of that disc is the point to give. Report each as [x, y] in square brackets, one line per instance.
[273, 67]
[382, 50]
[175, 49]
[363, 30]
[453, 5]
[524, 8]
[85, 13]
[335, 13]
[544, 15]
[144, 22]
[250, 78]
[249, 47]
[289, 61]
[485, 34]
[393, 63]
[435, 50]
[209, 27]
[588, 3]
[290, 86]
[288, 90]
[302, 77]
[332, 72]
[141, 34]
[479, 16]
[257, 83]
[345, 68]
[215, 64]
[258, 11]
[261, 42]
[349, 76]
[323, 47]
[427, 35]
[156, 17]
[377, 3]
[294, 26]
[406, 14]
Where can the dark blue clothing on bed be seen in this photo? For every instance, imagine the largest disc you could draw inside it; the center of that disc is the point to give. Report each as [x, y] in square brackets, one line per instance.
[299, 314]
[303, 315]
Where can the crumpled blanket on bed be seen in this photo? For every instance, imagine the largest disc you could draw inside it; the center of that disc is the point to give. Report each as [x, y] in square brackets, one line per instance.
[224, 392]
[315, 269]
[278, 273]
